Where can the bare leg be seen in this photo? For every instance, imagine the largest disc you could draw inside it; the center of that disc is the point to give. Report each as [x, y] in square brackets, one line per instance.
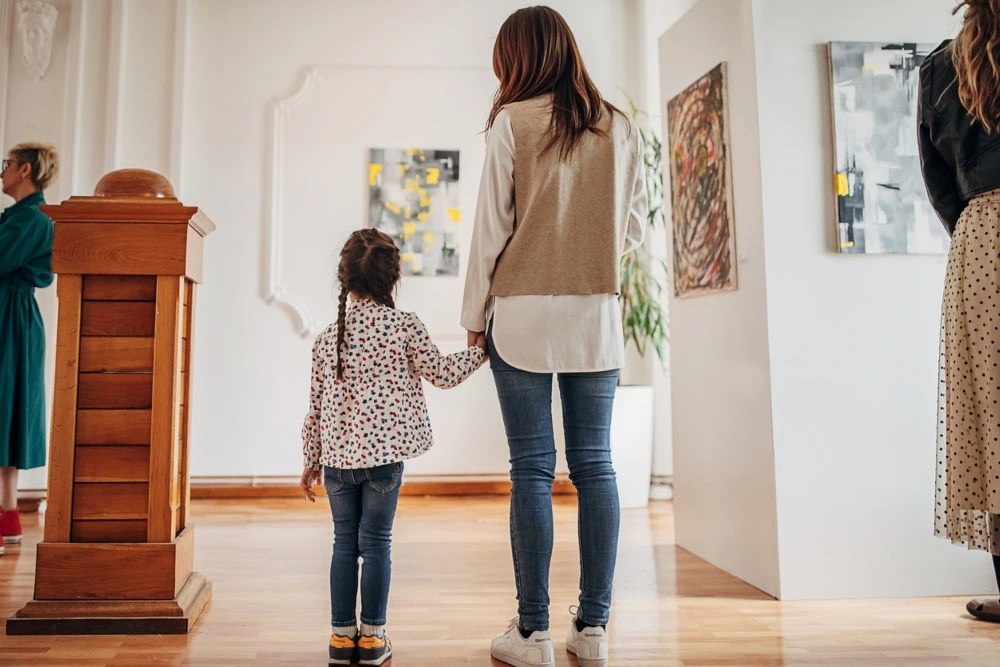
[8, 488]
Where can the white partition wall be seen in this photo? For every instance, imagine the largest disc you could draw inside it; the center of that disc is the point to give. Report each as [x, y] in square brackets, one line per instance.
[821, 439]
[723, 457]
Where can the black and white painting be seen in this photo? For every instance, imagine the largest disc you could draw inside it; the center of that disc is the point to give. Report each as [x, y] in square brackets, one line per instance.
[882, 206]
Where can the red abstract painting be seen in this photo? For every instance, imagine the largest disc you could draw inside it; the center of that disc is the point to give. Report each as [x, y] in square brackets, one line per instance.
[704, 250]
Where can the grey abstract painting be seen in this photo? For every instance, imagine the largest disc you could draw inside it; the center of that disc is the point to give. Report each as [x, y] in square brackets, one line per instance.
[882, 206]
[413, 197]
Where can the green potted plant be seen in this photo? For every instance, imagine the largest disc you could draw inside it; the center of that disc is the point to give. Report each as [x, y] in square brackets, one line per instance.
[645, 323]
[642, 289]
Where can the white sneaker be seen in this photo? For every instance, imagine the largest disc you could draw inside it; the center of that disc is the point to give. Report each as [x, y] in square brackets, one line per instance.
[513, 649]
[589, 645]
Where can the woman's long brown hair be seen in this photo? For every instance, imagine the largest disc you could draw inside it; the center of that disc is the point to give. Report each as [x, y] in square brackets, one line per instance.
[536, 54]
[369, 267]
[976, 54]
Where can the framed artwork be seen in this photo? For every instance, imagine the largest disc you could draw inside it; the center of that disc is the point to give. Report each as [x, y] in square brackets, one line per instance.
[413, 197]
[704, 237]
[882, 206]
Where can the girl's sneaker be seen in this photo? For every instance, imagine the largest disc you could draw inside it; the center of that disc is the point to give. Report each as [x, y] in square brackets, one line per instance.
[374, 649]
[588, 644]
[10, 526]
[343, 649]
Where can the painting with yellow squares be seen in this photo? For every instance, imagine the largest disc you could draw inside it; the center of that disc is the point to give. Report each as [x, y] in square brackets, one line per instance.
[414, 199]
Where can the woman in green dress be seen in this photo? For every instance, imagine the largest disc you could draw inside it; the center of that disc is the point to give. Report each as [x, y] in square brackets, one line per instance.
[25, 263]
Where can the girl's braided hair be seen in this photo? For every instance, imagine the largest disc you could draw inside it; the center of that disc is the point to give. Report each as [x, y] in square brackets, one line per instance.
[369, 267]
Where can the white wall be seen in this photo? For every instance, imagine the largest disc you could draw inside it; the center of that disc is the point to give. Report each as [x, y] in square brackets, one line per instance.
[826, 362]
[382, 69]
[33, 110]
[853, 340]
[723, 457]
[187, 87]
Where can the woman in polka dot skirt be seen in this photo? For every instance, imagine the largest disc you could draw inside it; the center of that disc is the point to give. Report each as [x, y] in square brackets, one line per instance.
[959, 133]
[366, 416]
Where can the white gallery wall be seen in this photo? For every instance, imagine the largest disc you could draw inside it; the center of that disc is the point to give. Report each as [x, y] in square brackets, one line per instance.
[720, 373]
[261, 113]
[821, 438]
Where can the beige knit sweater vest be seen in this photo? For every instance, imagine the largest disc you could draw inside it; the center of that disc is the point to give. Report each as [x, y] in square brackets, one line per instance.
[570, 215]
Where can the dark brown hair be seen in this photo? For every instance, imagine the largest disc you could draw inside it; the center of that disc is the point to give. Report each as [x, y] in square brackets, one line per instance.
[536, 54]
[369, 267]
[976, 54]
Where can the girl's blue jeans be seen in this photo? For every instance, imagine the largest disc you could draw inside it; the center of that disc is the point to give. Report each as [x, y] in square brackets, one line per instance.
[363, 504]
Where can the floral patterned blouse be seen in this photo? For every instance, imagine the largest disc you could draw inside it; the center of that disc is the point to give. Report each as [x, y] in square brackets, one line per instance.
[377, 413]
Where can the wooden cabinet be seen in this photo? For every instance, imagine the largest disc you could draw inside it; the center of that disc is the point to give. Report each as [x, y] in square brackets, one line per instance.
[117, 555]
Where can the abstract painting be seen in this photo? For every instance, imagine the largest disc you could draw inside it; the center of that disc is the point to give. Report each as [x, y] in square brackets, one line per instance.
[882, 206]
[413, 197]
[701, 192]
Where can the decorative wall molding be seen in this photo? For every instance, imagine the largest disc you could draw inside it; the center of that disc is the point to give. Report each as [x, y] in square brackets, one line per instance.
[6, 42]
[275, 292]
[117, 40]
[36, 21]
[181, 24]
[73, 104]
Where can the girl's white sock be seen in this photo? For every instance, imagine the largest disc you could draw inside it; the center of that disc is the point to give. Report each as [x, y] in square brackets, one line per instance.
[345, 630]
[372, 630]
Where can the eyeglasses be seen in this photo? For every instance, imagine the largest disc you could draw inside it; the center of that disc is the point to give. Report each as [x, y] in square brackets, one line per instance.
[6, 163]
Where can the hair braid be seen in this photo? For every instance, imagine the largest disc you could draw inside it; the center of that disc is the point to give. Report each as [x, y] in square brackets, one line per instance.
[341, 331]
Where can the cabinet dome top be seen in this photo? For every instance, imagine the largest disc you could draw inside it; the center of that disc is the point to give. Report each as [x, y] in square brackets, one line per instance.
[134, 184]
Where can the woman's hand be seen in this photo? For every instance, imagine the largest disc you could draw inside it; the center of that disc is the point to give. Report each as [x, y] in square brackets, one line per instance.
[472, 339]
[481, 341]
[310, 477]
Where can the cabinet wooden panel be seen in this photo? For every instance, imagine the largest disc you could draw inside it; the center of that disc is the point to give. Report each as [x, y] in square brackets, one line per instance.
[112, 427]
[115, 390]
[118, 318]
[119, 288]
[112, 464]
[110, 501]
[109, 531]
[116, 354]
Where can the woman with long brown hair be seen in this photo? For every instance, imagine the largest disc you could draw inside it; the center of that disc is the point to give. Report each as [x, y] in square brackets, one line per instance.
[562, 199]
[959, 131]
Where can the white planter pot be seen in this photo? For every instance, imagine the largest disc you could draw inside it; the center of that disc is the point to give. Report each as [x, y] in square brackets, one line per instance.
[632, 443]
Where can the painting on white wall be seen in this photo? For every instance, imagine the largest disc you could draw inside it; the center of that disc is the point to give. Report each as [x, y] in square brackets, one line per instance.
[413, 197]
[701, 189]
[882, 206]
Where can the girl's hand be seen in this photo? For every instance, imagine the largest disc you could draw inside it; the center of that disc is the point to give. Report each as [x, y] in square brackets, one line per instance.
[481, 341]
[473, 337]
[310, 477]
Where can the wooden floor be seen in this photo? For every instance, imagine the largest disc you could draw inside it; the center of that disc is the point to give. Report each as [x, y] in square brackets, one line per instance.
[452, 590]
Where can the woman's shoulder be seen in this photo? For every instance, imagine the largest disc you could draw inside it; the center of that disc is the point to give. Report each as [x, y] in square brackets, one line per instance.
[937, 72]
[28, 214]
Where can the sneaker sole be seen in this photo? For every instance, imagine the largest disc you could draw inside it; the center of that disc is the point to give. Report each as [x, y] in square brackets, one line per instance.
[517, 662]
[586, 662]
[376, 661]
[589, 662]
[339, 661]
[13, 540]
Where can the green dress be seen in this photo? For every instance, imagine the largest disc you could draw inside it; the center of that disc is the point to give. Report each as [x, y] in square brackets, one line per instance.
[25, 263]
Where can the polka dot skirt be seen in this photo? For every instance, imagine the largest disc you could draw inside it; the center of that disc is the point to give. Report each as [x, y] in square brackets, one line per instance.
[967, 499]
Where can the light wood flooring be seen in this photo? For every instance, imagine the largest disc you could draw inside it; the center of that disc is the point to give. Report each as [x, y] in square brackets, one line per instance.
[452, 590]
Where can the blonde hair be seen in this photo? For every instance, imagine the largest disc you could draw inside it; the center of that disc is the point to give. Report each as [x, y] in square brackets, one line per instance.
[43, 158]
[976, 55]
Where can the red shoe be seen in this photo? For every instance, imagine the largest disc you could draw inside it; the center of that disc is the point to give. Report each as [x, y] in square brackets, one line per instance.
[10, 526]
